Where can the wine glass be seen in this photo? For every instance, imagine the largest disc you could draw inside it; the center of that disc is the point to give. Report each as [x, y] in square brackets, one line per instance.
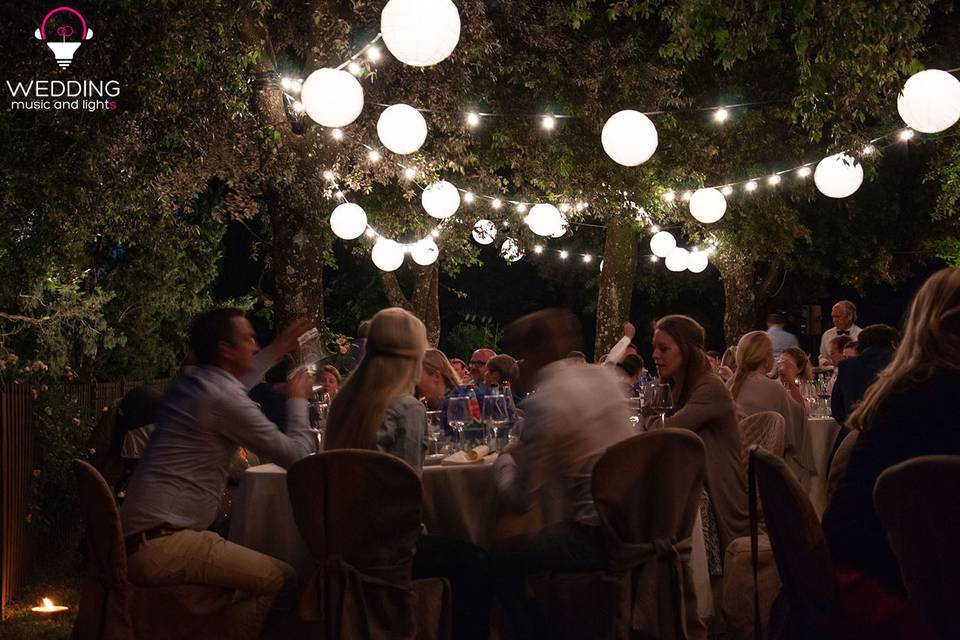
[459, 416]
[496, 420]
[433, 430]
[658, 400]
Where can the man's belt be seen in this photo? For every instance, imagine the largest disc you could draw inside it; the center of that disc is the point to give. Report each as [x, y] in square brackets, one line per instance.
[134, 542]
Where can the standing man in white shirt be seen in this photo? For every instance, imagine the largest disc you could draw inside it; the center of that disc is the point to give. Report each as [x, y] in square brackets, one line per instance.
[844, 315]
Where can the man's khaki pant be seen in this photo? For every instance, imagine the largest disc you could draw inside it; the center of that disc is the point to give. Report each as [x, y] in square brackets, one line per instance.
[203, 557]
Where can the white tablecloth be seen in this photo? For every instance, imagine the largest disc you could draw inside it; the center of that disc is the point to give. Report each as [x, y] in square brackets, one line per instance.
[822, 432]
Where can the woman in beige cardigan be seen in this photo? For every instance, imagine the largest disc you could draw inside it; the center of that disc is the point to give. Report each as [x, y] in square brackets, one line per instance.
[704, 405]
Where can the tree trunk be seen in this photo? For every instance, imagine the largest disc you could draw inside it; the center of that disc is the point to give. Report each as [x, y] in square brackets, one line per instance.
[425, 301]
[744, 297]
[616, 282]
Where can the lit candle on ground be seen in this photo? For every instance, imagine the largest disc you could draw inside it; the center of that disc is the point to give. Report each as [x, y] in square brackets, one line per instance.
[49, 607]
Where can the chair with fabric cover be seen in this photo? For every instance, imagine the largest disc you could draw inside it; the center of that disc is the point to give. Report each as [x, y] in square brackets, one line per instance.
[766, 429]
[112, 608]
[917, 504]
[840, 460]
[359, 514]
[808, 605]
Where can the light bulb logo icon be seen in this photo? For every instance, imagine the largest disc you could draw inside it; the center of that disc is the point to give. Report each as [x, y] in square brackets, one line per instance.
[63, 48]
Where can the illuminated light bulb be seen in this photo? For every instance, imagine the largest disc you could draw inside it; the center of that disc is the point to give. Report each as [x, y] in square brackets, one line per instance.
[370, 232]
[906, 134]
[721, 115]
[468, 197]
[587, 258]
[410, 173]
[473, 119]
[868, 149]
[521, 207]
[297, 106]
[548, 122]
[803, 172]
[727, 190]
[496, 203]
[354, 68]
[654, 229]
[506, 223]
[374, 155]
[339, 194]
[564, 255]
[669, 196]
[328, 175]
[564, 207]
[537, 248]
[687, 195]
[337, 134]
[750, 186]
[435, 233]
[654, 259]
[583, 205]
[373, 54]
[773, 180]
[286, 84]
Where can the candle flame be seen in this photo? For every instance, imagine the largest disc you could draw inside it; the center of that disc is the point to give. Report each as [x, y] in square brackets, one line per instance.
[48, 606]
[47, 603]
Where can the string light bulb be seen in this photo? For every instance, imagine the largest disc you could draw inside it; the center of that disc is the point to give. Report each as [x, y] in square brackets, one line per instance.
[751, 186]
[548, 122]
[727, 190]
[374, 155]
[473, 119]
[564, 254]
[468, 197]
[538, 248]
[587, 258]
[286, 84]
[298, 107]
[496, 203]
[654, 259]
[773, 180]
[906, 134]
[721, 115]
[654, 229]
[337, 134]
[564, 207]
[687, 195]
[373, 54]
[370, 232]
[354, 68]
[669, 196]
[521, 208]
[803, 172]
[868, 149]
[328, 175]
[410, 173]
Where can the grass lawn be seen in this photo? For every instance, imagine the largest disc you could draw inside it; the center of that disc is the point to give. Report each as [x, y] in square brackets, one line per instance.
[60, 584]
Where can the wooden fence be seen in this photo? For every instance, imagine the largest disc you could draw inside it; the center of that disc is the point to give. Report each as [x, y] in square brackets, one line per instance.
[17, 462]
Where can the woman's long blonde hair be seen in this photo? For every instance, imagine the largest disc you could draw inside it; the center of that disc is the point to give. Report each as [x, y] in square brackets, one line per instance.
[754, 351]
[930, 345]
[436, 361]
[390, 368]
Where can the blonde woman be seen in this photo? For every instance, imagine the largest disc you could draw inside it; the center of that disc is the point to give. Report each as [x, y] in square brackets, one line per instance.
[728, 364]
[754, 392]
[793, 367]
[909, 411]
[375, 408]
[437, 379]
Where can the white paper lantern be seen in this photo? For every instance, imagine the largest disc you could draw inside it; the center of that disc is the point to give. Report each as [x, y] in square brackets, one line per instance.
[510, 250]
[662, 243]
[629, 137]
[402, 129]
[332, 98]
[348, 221]
[387, 254]
[678, 259]
[838, 176]
[420, 32]
[707, 205]
[484, 232]
[441, 199]
[697, 261]
[930, 101]
[562, 227]
[425, 252]
[544, 219]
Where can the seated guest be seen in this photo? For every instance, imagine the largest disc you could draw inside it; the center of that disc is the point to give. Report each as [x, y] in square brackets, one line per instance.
[837, 347]
[437, 379]
[728, 364]
[478, 364]
[850, 350]
[463, 372]
[705, 406]
[854, 375]
[909, 411]
[793, 368]
[500, 369]
[713, 357]
[754, 392]
[173, 496]
[576, 413]
[330, 379]
[376, 409]
[631, 370]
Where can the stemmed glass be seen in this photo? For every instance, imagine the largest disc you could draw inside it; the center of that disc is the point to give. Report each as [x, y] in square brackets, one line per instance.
[433, 430]
[496, 420]
[459, 416]
[658, 399]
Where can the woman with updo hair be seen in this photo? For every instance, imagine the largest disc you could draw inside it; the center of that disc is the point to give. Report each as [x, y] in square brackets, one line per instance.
[793, 368]
[704, 405]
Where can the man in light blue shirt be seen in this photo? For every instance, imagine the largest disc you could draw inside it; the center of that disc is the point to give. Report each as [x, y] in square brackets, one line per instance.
[782, 339]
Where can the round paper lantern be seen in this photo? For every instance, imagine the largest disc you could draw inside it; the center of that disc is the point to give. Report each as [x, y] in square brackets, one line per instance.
[707, 205]
[441, 199]
[629, 137]
[420, 32]
[662, 243]
[510, 250]
[562, 228]
[930, 101]
[544, 219]
[838, 176]
[332, 98]
[678, 259]
[425, 252]
[387, 254]
[697, 261]
[402, 129]
[484, 232]
[348, 221]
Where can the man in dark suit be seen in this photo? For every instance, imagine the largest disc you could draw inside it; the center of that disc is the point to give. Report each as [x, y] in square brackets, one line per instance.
[876, 345]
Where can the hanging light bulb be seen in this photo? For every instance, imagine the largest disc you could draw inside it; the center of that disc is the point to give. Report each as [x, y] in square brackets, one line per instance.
[803, 172]
[473, 119]
[496, 203]
[773, 180]
[727, 190]
[721, 115]
[468, 197]
[906, 134]
[374, 155]
[751, 186]
[564, 255]
[410, 173]
[373, 54]
[669, 196]
[337, 134]
[354, 68]
[548, 122]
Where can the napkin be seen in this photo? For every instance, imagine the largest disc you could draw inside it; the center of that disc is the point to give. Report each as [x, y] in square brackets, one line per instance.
[474, 456]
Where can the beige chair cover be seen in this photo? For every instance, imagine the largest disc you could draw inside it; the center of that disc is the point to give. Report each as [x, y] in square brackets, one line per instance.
[359, 513]
[799, 548]
[917, 503]
[766, 429]
[111, 608]
[647, 491]
[838, 468]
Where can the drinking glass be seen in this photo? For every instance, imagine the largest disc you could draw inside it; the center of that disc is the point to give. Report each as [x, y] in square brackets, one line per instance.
[433, 431]
[658, 400]
[459, 416]
[496, 420]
